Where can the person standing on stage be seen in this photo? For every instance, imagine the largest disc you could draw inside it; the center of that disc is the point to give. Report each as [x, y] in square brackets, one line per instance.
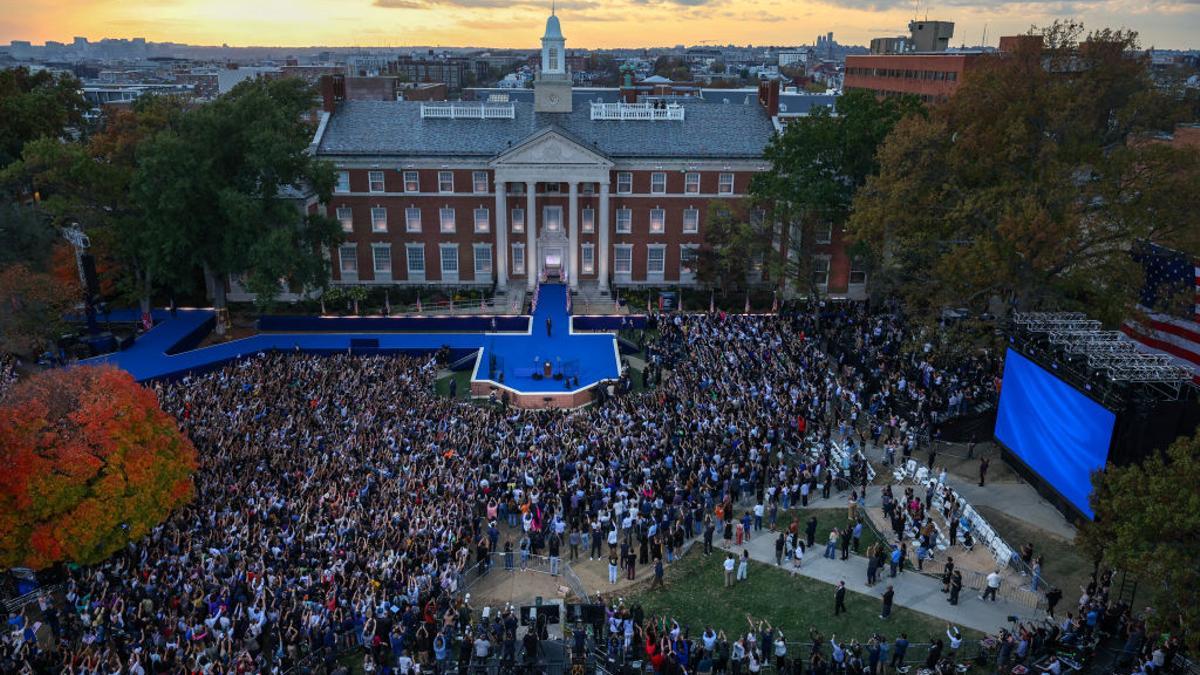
[548, 325]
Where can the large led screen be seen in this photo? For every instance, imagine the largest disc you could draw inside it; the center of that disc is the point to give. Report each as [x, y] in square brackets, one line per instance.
[1058, 432]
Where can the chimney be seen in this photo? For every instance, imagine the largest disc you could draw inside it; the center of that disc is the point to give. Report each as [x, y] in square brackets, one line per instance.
[333, 91]
[768, 96]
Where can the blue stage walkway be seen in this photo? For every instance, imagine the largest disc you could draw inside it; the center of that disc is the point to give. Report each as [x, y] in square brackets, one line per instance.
[166, 350]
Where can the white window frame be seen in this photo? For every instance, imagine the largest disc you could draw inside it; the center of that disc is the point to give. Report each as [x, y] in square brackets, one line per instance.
[414, 273]
[449, 274]
[345, 216]
[375, 182]
[343, 259]
[653, 275]
[343, 182]
[587, 259]
[453, 220]
[822, 259]
[483, 220]
[691, 214]
[487, 271]
[627, 249]
[624, 182]
[658, 221]
[518, 260]
[557, 211]
[378, 223]
[517, 219]
[446, 182]
[688, 274]
[587, 220]
[691, 183]
[476, 177]
[411, 223]
[412, 181]
[387, 250]
[624, 214]
[587, 188]
[658, 183]
[725, 184]
[858, 267]
[823, 234]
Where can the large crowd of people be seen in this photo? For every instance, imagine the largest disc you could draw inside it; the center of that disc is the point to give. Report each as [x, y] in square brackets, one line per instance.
[340, 502]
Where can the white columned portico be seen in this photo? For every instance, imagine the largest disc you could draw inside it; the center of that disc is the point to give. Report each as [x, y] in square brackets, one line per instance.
[501, 255]
[602, 253]
[531, 251]
[573, 233]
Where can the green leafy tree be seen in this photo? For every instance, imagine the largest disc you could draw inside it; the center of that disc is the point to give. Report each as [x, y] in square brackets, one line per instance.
[732, 245]
[1028, 185]
[819, 163]
[223, 190]
[35, 105]
[1147, 523]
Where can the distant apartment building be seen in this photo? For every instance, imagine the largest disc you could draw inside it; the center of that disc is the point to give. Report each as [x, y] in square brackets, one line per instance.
[448, 71]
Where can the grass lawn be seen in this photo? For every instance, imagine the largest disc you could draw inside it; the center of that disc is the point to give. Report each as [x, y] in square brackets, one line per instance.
[463, 377]
[1064, 565]
[695, 596]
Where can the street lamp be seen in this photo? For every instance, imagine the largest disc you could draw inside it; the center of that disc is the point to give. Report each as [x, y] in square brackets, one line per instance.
[86, 265]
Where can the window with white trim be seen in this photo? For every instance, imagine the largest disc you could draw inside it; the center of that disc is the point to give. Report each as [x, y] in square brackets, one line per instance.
[624, 221]
[446, 218]
[658, 183]
[412, 219]
[375, 181]
[658, 221]
[483, 260]
[552, 218]
[415, 255]
[691, 220]
[482, 219]
[725, 185]
[587, 259]
[858, 272]
[449, 254]
[382, 254]
[445, 181]
[518, 259]
[624, 182]
[518, 220]
[587, 188]
[688, 261]
[479, 182]
[348, 258]
[820, 270]
[343, 182]
[656, 261]
[412, 181]
[623, 259]
[587, 221]
[691, 184]
[345, 216]
[823, 234]
[378, 219]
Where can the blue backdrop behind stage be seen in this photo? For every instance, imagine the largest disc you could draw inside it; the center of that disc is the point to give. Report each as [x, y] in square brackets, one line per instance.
[1058, 432]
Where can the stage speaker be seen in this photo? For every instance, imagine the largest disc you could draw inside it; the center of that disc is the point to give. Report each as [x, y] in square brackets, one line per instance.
[530, 614]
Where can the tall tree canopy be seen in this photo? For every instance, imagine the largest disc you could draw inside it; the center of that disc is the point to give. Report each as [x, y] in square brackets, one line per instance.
[215, 191]
[820, 161]
[91, 463]
[1148, 524]
[1026, 185]
[35, 105]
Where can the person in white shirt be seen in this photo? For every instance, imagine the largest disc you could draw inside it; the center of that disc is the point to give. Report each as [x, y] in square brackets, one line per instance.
[728, 570]
[993, 585]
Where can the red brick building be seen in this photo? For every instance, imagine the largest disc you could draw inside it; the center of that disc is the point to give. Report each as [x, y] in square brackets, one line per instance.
[932, 77]
[504, 192]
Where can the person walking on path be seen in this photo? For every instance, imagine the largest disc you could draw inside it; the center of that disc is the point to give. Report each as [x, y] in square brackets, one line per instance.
[744, 566]
[658, 574]
[839, 598]
[831, 545]
[947, 574]
[894, 562]
[728, 565]
[810, 532]
[613, 569]
[993, 585]
[956, 584]
[983, 467]
[888, 596]
[779, 544]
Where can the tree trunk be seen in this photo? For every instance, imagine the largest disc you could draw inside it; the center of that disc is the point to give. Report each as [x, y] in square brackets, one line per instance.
[216, 288]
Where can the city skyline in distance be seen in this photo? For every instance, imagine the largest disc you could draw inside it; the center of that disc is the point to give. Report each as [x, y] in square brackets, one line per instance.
[1166, 24]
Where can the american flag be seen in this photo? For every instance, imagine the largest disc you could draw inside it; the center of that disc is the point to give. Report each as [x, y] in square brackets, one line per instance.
[1169, 326]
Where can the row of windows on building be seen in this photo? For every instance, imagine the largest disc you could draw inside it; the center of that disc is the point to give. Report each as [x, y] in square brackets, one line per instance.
[907, 74]
[481, 183]
[552, 220]
[886, 93]
[449, 260]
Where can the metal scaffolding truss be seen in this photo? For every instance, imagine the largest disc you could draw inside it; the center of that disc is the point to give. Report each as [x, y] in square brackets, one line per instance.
[1109, 354]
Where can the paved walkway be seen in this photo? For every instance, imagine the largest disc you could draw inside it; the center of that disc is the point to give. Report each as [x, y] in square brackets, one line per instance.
[1019, 500]
[914, 591]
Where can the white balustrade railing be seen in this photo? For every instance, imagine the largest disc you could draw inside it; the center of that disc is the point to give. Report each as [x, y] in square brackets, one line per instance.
[636, 111]
[471, 111]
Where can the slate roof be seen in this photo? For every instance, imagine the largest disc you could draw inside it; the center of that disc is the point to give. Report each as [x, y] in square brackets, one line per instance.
[395, 128]
[802, 104]
[580, 95]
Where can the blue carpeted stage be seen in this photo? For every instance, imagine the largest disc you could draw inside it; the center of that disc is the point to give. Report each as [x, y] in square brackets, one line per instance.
[507, 358]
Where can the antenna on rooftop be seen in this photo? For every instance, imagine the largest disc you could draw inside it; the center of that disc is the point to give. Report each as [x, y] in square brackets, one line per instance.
[984, 42]
[551, 7]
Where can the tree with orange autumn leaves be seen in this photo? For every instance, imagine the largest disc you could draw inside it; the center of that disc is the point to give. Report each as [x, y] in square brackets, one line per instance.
[89, 463]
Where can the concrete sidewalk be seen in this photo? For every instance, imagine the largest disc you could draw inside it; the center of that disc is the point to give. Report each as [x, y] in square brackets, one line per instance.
[914, 591]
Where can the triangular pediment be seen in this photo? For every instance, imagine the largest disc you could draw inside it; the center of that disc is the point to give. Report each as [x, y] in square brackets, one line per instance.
[550, 147]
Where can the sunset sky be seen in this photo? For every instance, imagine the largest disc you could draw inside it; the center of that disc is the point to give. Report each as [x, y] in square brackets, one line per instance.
[586, 23]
